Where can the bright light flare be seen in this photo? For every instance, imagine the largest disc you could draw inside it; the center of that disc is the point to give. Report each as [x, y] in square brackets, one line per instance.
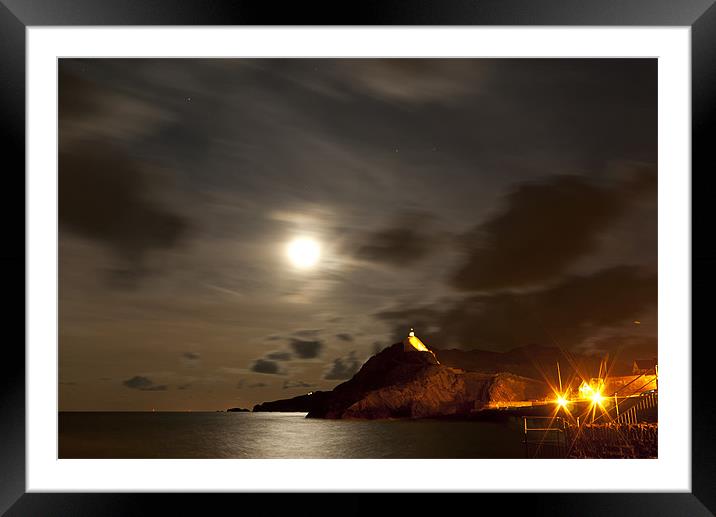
[561, 401]
[597, 398]
[586, 391]
[303, 252]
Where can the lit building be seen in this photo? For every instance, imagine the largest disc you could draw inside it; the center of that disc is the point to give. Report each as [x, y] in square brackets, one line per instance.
[624, 386]
[588, 389]
[413, 344]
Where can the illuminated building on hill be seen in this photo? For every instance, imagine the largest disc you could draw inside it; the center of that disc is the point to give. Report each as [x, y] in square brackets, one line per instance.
[413, 344]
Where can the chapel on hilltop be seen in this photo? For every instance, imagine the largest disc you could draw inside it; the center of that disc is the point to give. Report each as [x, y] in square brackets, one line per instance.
[413, 344]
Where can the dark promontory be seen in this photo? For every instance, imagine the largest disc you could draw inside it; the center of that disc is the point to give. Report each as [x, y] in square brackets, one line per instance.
[300, 404]
[402, 382]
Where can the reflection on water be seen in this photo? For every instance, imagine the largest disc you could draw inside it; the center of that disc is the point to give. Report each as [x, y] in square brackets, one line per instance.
[278, 435]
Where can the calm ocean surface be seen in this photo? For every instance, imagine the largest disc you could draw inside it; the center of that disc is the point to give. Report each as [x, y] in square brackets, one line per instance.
[279, 435]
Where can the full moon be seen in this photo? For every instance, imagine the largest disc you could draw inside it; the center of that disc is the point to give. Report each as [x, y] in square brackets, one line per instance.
[303, 252]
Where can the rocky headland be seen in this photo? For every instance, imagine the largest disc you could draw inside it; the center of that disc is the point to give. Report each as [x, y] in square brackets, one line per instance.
[396, 383]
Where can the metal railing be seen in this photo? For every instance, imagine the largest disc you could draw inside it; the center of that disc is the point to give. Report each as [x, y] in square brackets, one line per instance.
[631, 416]
[544, 437]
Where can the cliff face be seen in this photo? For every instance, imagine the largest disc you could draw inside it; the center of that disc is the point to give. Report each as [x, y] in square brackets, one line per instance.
[394, 383]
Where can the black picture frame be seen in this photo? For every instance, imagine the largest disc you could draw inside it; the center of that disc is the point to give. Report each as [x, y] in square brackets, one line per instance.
[17, 15]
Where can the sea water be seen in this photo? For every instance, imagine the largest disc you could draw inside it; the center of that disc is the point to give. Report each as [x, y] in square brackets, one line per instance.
[279, 435]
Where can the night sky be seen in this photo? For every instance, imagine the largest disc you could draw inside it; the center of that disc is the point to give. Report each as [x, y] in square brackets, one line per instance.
[490, 204]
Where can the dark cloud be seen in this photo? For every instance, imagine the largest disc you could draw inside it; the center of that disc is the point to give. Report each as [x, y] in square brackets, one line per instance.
[242, 383]
[344, 336]
[279, 356]
[103, 195]
[296, 384]
[307, 333]
[626, 346]
[93, 109]
[405, 243]
[417, 317]
[161, 387]
[306, 349]
[77, 98]
[258, 385]
[565, 314]
[544, 228]
[343, 367]
[143, 384]
[265, 366]
[191, 359]
[106, 193]
[399, 81]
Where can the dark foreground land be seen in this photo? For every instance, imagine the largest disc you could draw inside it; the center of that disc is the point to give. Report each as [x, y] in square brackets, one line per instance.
[613, 440]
